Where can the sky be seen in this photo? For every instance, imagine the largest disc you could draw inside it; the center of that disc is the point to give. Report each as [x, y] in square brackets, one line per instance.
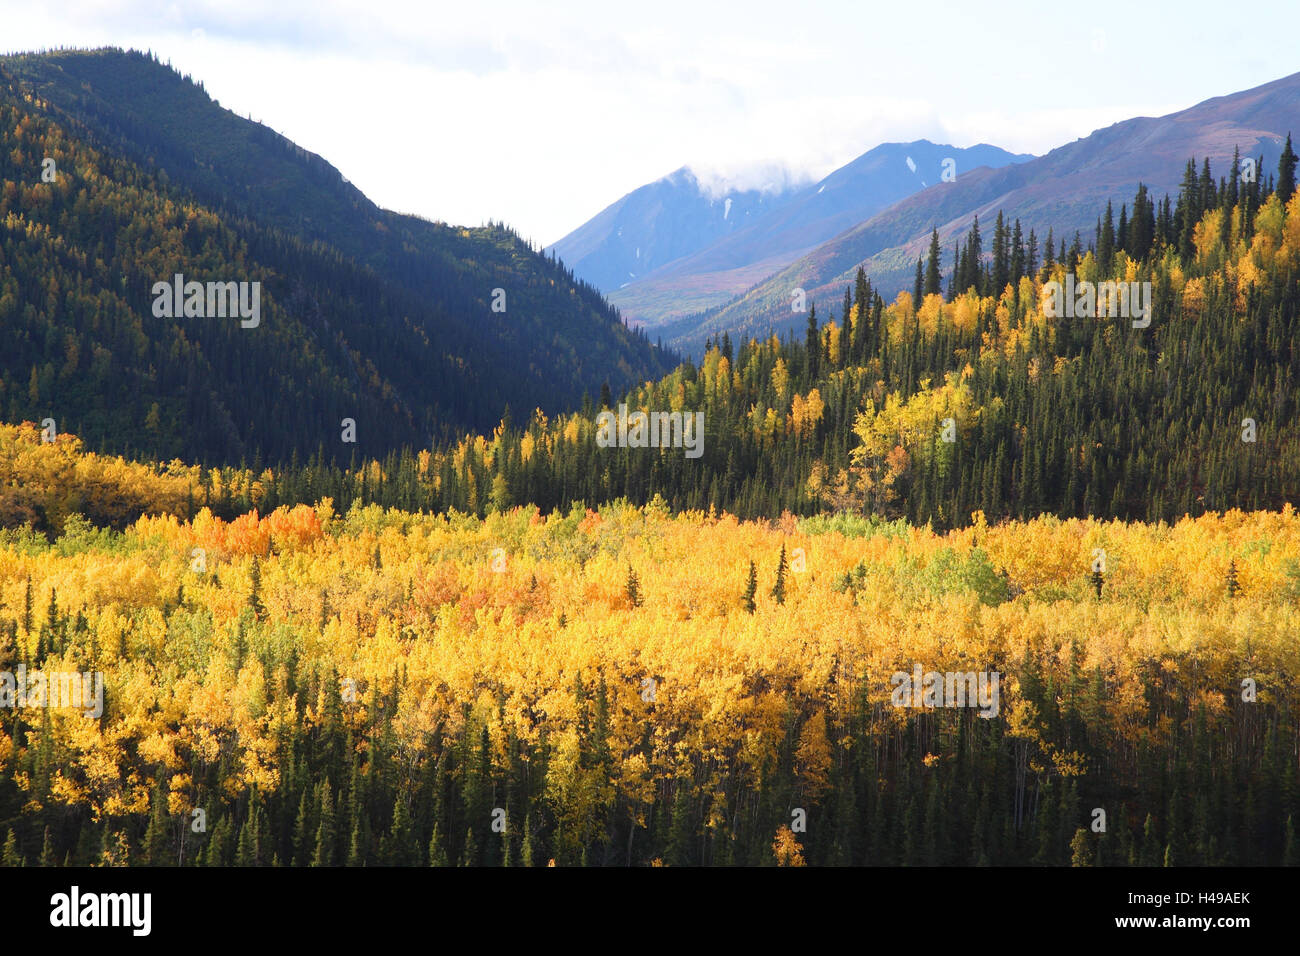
[542, 114]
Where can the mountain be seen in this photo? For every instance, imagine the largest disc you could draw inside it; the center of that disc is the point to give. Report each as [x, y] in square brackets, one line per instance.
[1061, 191]
[763, 237]
[382, 318]
[663, 221]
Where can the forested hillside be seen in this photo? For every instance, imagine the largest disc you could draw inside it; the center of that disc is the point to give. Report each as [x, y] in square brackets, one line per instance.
[387, 320]
[621, 686]
[1071, 416]
[332, 682]
[479, 635]
[1063, 190]
[1196, 412]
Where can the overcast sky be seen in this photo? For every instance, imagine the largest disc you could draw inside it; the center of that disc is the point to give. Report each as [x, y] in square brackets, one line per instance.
[541, 114]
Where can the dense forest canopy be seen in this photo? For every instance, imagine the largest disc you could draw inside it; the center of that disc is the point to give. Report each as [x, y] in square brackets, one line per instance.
[1195, 413]
[117, 173]
[622, 686]
[470, 638]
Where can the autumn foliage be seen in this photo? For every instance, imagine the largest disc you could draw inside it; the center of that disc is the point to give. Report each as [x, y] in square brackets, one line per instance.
[433, 668]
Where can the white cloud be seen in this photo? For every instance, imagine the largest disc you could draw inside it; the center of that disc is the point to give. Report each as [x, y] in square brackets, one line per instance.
[542, 114]
[717, 180]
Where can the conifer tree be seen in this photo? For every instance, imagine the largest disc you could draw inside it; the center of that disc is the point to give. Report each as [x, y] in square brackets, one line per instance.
[633, 588]
[47, 849]
[1017, 255]
[1286, 164]
[27, 607]
[1150, 845]
[249, 850]
[303, 833]
[255, 588]
[751, 589]
[325, 834]
[356, 852]
[681, 836]
[1106, 241]
[1080, 854]
[437, 849]
[932, 277]
[214, 854]
[155, 838]
[812, 344]
[526, 851]
[778, 589]
[1001, 256]
[974, 260]
[469, 856]
[52, 616]
[1141, 226]
[10, 855]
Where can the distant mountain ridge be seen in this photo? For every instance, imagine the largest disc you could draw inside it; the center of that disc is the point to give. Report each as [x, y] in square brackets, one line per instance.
[1060, 191]
[663, 221]
[704, 257]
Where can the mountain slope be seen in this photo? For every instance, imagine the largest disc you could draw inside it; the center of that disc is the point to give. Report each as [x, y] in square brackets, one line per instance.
[745, 256]
[370, 315]
[663, 221]
[1061, 191]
